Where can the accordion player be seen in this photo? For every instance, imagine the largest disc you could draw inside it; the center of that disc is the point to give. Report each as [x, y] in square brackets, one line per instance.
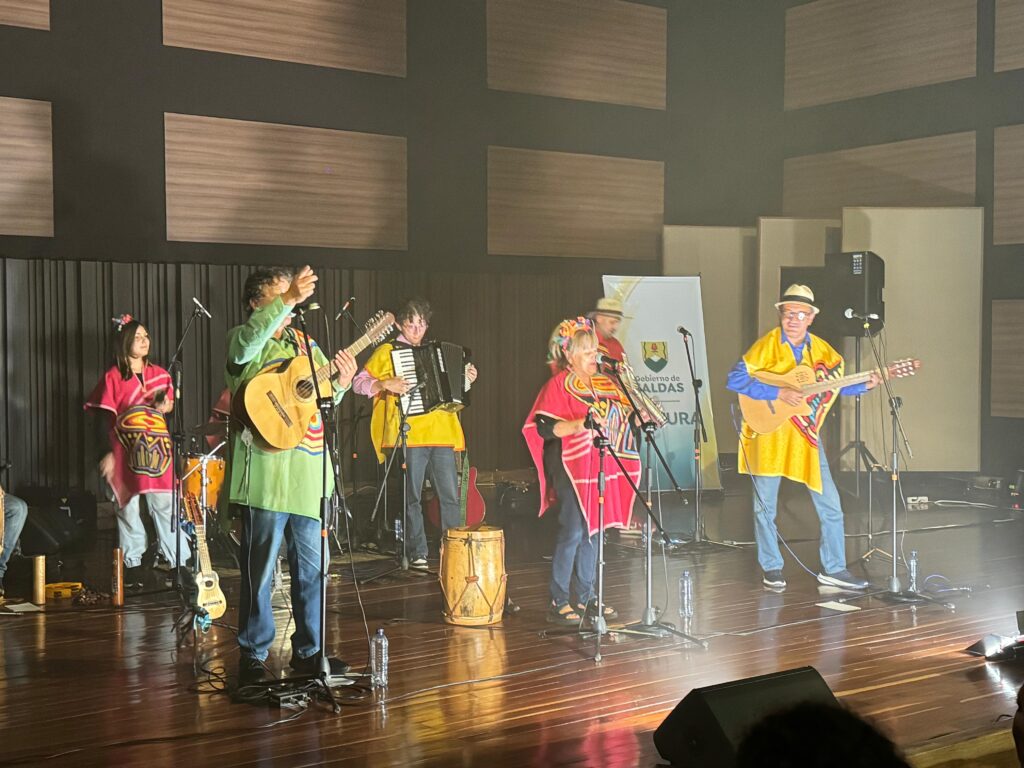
[436, 371]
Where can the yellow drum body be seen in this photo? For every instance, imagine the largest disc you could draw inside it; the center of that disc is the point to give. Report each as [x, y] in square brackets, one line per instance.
[473, 575]
[193, 484]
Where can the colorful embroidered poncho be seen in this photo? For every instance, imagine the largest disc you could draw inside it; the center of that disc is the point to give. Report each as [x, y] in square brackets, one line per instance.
[139, 439]
[792, 450]
[565, 398]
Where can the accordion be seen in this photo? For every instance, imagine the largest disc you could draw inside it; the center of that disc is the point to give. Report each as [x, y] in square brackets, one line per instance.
[437, 372]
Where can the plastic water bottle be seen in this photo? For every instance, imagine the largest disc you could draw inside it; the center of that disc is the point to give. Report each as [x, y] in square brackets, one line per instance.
[398, 529]
[379, 659]
[686, 595]
[912, 570]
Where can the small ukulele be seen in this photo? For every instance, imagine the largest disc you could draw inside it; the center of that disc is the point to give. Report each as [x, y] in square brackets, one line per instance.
[209, 598]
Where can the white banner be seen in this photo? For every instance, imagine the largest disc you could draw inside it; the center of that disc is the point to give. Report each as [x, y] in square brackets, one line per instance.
[653, 308]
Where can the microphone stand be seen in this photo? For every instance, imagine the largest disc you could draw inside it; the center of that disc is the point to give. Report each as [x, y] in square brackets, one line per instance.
[649, 624]
[700, 540]
[326, 408]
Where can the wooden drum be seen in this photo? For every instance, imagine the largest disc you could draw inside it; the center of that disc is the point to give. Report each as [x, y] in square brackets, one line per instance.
[473, 575]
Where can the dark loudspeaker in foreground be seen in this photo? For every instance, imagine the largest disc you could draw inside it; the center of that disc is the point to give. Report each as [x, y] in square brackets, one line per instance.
[706, 727]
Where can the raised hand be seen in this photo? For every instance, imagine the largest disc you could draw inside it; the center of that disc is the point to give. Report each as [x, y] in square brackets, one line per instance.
[301, 287]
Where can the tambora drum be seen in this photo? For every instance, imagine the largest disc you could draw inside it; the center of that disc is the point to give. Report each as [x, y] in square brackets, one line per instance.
[473, 577]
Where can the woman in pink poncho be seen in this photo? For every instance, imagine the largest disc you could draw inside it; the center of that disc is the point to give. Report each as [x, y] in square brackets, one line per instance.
[136, 395]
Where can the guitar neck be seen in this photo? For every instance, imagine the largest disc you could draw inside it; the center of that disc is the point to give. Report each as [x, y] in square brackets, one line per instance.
[328, 371]
[205, 566]
[842, 381]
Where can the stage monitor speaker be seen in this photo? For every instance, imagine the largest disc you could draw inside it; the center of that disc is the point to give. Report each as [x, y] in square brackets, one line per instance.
[826, 324]
[856, 279]
[706, 728]
[60, 520]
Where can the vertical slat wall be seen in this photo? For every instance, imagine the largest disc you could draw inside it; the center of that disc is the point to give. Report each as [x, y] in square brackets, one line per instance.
[34, 14]
[56, 331]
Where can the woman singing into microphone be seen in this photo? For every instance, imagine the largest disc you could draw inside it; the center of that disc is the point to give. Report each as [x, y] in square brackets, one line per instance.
[567, 461]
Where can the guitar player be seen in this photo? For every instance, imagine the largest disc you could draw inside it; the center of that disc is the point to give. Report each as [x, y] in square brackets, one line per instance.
[278, 491]
[433, 437]
[794, 450]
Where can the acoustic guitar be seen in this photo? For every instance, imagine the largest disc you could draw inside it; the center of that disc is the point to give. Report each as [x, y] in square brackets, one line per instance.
[765, 416]
[471, 501]
[278, 403]
[209, 598]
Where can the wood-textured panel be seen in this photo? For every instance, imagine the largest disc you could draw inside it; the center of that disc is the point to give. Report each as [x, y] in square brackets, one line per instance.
[1009, 35]
[364, 35]
[1007, 394]
[1008, 201]
[34, 14]
[234, 181]
[560, 204]
[844, 49]
[936, 171]
[600, 50]
[26, 167]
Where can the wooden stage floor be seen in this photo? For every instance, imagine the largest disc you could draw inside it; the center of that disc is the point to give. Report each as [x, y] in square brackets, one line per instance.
[105, 687]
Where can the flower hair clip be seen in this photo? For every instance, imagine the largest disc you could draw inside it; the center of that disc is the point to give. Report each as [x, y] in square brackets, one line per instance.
[570, 327]
[121, 321]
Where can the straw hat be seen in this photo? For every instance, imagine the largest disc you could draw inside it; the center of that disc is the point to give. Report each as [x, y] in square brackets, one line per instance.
[606, 306]
[798, 294]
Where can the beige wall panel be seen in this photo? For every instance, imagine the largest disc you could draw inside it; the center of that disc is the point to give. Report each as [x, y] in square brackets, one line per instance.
[1008, 363]
[933, 280]
[785, 242]
[233, 181]
[1007, 360]
[561, 204]
[598, 50]
[1008, 201]
[724, 257]
[844, 49]
[364, 35]
[34, 14]
[1009, 35]
[26, 168]
[936, 171]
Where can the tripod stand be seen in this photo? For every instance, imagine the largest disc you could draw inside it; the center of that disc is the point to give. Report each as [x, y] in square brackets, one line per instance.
[861, 454]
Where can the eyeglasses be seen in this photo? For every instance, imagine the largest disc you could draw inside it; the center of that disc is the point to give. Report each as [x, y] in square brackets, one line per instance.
[413, 324]
[798, 316]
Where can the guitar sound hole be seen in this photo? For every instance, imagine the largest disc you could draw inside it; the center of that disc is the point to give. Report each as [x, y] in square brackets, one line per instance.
[304, 389]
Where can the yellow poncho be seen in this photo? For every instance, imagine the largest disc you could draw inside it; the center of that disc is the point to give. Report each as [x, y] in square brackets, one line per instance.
[791, 450]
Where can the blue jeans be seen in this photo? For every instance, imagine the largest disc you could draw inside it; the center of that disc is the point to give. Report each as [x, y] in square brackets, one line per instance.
[15, 515]
[832, 546]
[262, 531]
[575, 559]
[440, 461]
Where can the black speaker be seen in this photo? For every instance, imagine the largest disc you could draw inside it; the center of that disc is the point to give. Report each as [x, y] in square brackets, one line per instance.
[706, 728]
[857, 279]
[59, 521]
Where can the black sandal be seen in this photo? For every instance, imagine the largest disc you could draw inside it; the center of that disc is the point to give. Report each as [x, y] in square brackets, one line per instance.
[564, 615]
[590, 610]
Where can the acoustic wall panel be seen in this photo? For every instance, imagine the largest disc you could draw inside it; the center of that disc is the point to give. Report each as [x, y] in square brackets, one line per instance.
[933, 311]
[364, 35]
[601, 50]
[724, 257]
[34, 14]
[845, 49]
[1008, 199]
[560, 204]
[234, 181]
[26, 160]
[1009, 35]
[1007, 393]
[938, 170]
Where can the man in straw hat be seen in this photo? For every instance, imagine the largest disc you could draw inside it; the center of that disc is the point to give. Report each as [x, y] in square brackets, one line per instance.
[607, 316]
[794, 450]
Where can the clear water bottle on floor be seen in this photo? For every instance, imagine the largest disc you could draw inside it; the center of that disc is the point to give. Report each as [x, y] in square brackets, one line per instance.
[686, 595]
[379, 659]
[912, 570]
[398, 529]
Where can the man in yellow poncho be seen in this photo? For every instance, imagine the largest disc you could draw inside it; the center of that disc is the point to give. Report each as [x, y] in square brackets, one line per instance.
[794, 449]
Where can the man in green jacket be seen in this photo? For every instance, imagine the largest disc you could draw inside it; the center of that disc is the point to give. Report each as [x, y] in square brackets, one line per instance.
[279, 491]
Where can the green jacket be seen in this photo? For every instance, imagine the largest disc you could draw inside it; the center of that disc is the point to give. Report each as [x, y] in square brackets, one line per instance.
[285, 481]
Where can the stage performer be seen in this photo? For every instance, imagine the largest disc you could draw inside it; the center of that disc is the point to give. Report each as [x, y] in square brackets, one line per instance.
[567, 461]
[279, 492]
[15, 513]
[433, 438]
[137, 395]
[606, 317]
[794, 450]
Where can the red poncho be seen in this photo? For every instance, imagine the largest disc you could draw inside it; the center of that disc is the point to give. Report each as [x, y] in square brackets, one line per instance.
[565, 397]
[139, 438]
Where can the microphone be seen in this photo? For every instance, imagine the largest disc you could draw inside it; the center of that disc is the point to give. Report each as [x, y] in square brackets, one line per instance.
[417, 387]
[344, 308]
[608, 364]
[309, 306]
[849, 314]
[683, 331]
[201, 308]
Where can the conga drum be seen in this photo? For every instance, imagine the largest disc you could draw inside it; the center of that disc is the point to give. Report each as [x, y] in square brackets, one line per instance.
[214, 476]
[473, 575]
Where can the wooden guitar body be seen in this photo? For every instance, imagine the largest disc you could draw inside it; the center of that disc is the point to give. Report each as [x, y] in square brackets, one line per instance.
[208, 596]
[278, 404]
[472, 502]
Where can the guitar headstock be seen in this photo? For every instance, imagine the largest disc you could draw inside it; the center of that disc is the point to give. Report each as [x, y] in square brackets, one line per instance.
[193, 513]
[380, 326]
[899, 368]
